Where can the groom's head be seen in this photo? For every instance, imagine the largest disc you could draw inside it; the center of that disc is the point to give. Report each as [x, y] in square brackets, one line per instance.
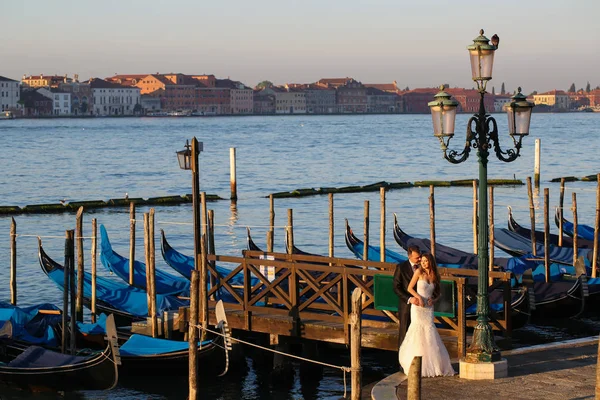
[414, 254]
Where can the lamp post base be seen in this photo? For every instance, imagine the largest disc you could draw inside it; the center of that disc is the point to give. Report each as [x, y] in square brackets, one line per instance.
[483, 370]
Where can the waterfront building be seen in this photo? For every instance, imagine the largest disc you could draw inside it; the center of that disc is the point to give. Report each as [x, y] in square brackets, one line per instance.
[150, 104]
[289, 100]
[380, 102]
[213, 100]
[126, 79]
[352, 97]
[500, 101]
[176, 92]
[264, 101]
[81, 96]
[208, 81]
[320, 99]
[241, 96]
[469, 99]
[415, 101]
[35, 104]
[333, 82]
[37, 81]
[386, 87]
[61, 101]
[10, 94]
[114, 99]
[594, 98]
[557, 99]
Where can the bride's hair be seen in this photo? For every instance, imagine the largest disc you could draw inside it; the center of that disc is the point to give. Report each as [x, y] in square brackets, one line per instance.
[436, 275]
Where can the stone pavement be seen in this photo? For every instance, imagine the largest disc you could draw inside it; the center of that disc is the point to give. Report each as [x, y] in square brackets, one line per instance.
[563, 370]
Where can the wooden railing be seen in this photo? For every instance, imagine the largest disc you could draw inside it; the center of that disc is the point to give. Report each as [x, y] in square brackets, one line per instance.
[316, 288]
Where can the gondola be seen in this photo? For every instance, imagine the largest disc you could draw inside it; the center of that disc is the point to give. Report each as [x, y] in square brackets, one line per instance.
[553, 239]
[564, 296]
[126, 303]
[36, 368]
[119, 265]
[517, 245]
[520, 305]
[584, 232]
[37, 324]
[443, 254]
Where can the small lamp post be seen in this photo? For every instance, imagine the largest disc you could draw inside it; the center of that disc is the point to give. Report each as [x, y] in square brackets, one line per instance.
[482, 134]
[188, 159]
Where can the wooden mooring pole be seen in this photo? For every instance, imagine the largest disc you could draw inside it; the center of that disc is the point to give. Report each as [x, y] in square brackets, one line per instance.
[211, 246]
[431, 219]
[366, 233]
[152, 269]
[66, 275]
[575, 248]
[290, 230]
[232, 173]
[72, 290]
[203, 302]
[147, 260]
[79, 241]
[536, 168]
[131, 241]
[414, 379]
[331, 225]
[382, 226]
[561, 211]
[596, 228]
[531, 216]
[13, 262]
[94, 247]
[547, 234]
[272, 220]
[193, 337]
[475, 216]
[355, 344]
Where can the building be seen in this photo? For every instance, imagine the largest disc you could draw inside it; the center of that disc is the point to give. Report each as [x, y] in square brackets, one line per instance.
[10, 94]
[35, 104]
[500, 101]
[352, 97]
[37, 81]
[289, 100]
[469, 100]
[264, 101]
[333, 83]
[594, 98]
[177, 92]
[415, 101]
[114, 99]
[241, 96]
[213, 100]
[380, 102]
[320, 99]
[207, 80]
[386, 87]
[81, 96]
[150, 104]
[557, 99]
[126, 79]
[61, 101]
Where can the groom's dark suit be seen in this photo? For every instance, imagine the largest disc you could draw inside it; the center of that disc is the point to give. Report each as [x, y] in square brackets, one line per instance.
[402, 277]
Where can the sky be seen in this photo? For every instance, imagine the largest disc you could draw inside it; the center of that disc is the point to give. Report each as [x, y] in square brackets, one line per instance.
[544, 44]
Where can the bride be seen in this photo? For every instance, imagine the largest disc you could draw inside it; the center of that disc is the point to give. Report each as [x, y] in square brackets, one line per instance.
[422, 337]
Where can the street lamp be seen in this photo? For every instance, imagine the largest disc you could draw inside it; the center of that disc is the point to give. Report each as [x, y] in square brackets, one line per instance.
[188, 159]
[482, 133]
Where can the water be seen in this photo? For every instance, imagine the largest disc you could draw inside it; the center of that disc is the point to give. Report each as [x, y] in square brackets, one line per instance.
[45, 161]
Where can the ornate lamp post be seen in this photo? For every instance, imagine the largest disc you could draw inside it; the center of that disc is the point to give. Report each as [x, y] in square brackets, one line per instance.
[188, 159]
[482, 134]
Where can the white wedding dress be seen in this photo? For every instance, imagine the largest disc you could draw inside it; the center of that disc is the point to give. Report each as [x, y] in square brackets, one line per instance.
[423, 339]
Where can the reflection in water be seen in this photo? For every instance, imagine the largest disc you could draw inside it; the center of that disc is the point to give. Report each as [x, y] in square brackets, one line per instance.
[232, 223]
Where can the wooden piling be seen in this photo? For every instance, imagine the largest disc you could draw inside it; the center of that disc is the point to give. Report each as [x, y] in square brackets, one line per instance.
[232, 173]
[575, 238]
[475, 216]
[290, 230]
[431, 220]
[269, 241]
[66, 286]
[491, 231]
[531, 216]
[355, 344]
[72, 291]
[547, 234]
[414, 379]
[94, 247]
[366, 233]
[152, 288]
[272, 219]
[204, 215]
[13, 262]
[131, 241]
[193, 338]
[382, 226]
[203, 302]
[561, 211]
[211, 246]
[79, 241]
[536, 168]
[596, 228]
[331, 225]
[147, 261]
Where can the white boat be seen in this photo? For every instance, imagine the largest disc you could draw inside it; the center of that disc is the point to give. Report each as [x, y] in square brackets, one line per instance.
[6, 115]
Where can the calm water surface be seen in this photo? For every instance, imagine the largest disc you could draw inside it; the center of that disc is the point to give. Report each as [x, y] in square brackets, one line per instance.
[45, 161]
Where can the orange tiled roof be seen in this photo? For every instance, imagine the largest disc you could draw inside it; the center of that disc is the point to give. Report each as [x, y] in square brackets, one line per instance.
[554, 92]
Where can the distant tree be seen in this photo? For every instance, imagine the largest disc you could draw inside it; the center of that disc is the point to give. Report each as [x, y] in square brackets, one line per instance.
[572, 88]
[493, 91]
[83, 107]
[137, 109]
[264, 85]
[533, 93]
[407, 89]
[446, 86]
[502, 90]
[587, 87]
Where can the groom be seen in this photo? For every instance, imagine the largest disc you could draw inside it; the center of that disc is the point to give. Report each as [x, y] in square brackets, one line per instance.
[402, 277]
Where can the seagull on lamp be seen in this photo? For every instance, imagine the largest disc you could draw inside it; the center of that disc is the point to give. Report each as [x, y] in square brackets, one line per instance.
[495, 40]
